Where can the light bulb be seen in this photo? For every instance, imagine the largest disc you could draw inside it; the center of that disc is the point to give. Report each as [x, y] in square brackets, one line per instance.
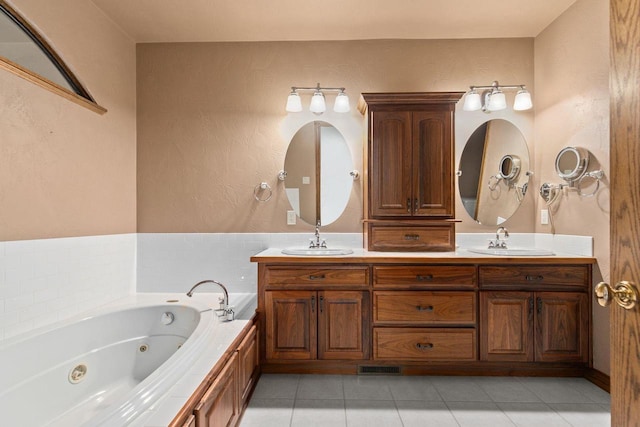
[522, 101]
[318, 105]
[294, 103]
[342, 103]
[472, 101]
[497, 101]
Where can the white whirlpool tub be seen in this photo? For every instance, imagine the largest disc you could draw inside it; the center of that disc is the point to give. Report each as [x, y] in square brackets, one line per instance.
[105, 369]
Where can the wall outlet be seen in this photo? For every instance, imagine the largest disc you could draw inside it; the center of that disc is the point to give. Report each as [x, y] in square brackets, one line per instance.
[291, 217]
[544, 216]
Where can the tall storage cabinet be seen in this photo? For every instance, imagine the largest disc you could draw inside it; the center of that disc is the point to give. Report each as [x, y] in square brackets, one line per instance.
[409, 194]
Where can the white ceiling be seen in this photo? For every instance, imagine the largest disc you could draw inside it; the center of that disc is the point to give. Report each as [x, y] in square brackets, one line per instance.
[269, 20]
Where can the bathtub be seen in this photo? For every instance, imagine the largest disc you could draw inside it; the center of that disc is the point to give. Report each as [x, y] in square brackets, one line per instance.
[105, 369]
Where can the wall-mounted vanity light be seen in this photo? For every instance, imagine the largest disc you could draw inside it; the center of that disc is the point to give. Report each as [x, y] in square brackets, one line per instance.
[492, 98]
[318, 105]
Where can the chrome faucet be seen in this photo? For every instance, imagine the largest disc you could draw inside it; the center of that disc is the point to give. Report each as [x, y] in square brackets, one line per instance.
[225, 312]
[500, 244]
[317, 244]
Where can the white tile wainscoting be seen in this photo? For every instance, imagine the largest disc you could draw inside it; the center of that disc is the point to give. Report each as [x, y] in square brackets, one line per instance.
[48, 280]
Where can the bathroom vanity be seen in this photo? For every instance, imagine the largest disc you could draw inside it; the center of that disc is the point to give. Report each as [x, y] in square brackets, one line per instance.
[447, 313]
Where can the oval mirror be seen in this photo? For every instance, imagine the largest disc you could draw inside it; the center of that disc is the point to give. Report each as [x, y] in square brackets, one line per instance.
[318, 165]
[493, 172]
[571, 163]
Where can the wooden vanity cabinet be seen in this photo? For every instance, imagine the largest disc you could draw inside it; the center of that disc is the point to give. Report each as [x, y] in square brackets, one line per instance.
[312, 325]
[544, 319]
[425, 313]
[409, 194]
[316, 313]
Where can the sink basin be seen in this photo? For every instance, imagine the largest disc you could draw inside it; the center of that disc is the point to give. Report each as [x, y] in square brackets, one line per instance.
[512, 252]
[317, 252]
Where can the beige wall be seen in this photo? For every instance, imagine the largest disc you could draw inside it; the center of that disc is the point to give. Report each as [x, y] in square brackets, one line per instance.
[67, 171]
[572, 109]
[212, 125]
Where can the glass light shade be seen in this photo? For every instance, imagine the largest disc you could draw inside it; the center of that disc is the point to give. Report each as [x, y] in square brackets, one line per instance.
[522, 101]
[342, 103]
[294, 103]
[497, 101]
[472, 101]
[318, 105]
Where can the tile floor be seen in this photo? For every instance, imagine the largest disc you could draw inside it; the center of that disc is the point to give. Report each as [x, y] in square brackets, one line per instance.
[388, 401]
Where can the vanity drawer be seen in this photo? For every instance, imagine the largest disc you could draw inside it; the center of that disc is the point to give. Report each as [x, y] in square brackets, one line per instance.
[432, 344]
[314, 276]
[424, 308]
[415, 238]
[413, 277]
[530, 276]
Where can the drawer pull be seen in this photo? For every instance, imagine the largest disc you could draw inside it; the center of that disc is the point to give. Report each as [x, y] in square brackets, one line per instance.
[531, 278]
[313, 304]
[539, 304]
[316, 277]
[409, 205]
[428, 308]
[415, 206]
[424, 346]
[411, 237]
[424, 278]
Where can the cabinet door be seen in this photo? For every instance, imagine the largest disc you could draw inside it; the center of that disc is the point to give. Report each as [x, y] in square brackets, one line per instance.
[390, 165]
[506, 326]
[248, 364]
[291, 324]
[219, 406]
[343, 325]
[432, 164]
[562, 327]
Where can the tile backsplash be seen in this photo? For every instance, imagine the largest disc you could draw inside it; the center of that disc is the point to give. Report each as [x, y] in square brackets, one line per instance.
[47, 280]
[175, 262]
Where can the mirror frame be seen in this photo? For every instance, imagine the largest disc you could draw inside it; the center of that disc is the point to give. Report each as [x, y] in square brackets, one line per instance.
[79, 95]
[582, 157]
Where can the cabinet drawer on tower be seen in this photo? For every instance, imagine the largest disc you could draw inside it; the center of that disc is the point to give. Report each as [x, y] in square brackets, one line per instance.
[313, 276]
[424, 344]
[412, 276]
[534, 276]
[424, 308]
[414, 238]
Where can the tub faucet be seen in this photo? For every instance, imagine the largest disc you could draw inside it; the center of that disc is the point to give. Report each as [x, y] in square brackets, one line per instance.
[500, 244]
[225, 312]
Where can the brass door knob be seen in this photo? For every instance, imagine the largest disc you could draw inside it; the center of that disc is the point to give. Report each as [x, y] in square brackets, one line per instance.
[625, 294]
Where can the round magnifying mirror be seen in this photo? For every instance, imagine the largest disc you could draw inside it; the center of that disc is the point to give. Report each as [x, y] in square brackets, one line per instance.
[490, 181]
[318, 165]
[509, 167]
[571, 163]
